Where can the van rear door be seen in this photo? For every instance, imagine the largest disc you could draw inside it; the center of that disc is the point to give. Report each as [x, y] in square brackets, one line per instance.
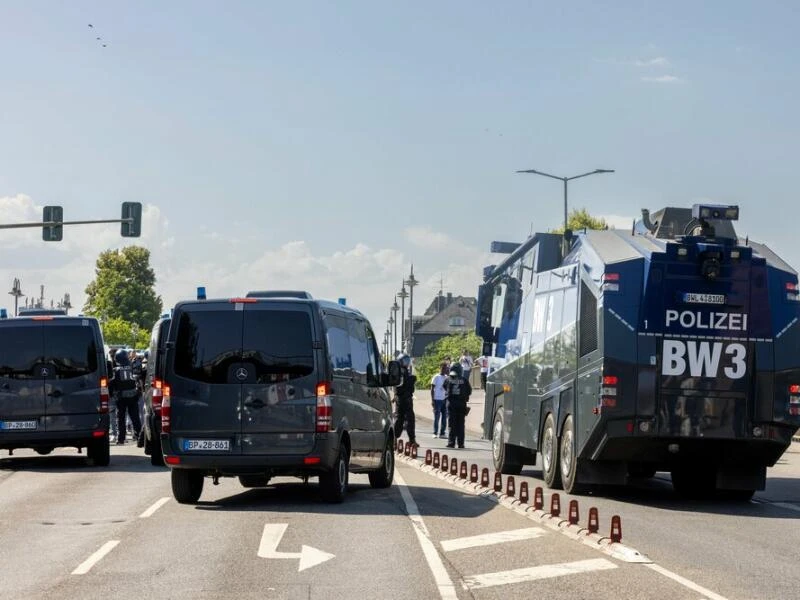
[72, 379]
[22, 404]
[206, 395]
[279, 390]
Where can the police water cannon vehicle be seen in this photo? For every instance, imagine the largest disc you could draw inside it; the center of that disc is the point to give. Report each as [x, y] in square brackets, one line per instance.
[669, 347]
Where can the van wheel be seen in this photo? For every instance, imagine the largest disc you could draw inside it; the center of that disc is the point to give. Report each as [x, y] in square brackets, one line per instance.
[156, 455]
[99, 452]
[505, 456]
[333, 483]
[187, 485]
[568, 458]
[383, 477]
[550, 468]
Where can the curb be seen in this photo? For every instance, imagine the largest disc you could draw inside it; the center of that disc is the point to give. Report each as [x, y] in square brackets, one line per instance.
[576, 532]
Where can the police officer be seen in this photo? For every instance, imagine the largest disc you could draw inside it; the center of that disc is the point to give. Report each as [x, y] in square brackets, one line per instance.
[457, 392]
[404, 398]
[123, 387]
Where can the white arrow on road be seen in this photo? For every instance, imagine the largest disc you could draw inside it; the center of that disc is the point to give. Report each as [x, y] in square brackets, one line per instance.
[309, 557]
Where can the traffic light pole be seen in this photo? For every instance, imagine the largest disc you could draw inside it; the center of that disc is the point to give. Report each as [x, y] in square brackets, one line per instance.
[52, 222]
[55, 223]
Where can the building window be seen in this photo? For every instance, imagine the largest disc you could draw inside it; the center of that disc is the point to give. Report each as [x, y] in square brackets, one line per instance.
[457, 322]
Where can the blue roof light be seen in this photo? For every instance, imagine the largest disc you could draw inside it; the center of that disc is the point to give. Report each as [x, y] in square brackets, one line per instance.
[201, 293]
[3, 313]
[343, 301]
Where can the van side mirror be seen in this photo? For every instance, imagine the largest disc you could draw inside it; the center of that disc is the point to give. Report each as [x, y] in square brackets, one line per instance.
[393, 377]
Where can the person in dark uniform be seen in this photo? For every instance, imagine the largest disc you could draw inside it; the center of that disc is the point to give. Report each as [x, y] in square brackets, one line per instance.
[123, 387]
[457, 392]
[405, 401]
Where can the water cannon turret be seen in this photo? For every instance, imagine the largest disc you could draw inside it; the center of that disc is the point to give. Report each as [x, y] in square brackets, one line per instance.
[651, 227]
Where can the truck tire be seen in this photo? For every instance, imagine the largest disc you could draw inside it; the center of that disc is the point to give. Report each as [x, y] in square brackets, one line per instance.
[187, 485]
[156, 454]
[383, 477]
[333, 483]
[505, 456]
[99, 452]
[550, 467]
[568, 458]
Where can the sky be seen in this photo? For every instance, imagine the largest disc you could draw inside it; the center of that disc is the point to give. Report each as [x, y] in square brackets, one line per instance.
[329, 146]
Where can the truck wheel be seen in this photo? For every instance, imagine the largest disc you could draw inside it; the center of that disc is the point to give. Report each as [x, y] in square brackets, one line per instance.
[187, 485]
[550, 467]
[383, 477]
[99, 452]
[504, 455]
[333, 484]
[569, 458]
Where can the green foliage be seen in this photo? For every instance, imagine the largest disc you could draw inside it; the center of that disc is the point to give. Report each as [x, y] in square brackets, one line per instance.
[581, 219]
[119, 332]
[124, 288]
[453, 345]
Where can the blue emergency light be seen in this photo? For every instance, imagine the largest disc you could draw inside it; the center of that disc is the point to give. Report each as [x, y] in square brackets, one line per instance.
[201, 293]
[3, 313]
[343, 301]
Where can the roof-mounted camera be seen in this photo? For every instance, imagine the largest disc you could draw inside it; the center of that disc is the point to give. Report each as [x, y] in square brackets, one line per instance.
[717, 212]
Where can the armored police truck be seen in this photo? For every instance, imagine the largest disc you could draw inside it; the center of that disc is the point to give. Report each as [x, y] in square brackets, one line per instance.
[669, 347]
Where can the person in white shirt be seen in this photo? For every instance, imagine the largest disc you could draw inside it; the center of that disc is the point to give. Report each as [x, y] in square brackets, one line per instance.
[438, 403]
[466, 364]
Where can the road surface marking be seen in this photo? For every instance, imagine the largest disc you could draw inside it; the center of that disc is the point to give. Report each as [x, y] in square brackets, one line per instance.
[447, 590]
[271, 538]
[488, 539]
[95, 558]
[475, 582]
[158, 504]
[685, 582]
[785, 505]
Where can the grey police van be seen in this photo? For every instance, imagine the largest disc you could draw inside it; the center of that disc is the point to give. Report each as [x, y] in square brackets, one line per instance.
[259, 387]
[153, 390]
[53, 385]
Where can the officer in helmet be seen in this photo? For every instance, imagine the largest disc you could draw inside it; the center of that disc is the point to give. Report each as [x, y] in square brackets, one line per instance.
[123, 386]
[457, 392]
[404, 399]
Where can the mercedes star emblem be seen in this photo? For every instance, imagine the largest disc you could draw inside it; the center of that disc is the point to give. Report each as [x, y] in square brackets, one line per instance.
[241, 373]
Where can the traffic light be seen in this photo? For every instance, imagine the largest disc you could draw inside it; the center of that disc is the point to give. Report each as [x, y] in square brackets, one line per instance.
[132, 219]
[53, 214]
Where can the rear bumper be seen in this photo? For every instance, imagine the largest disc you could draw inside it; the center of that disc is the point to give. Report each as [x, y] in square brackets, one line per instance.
[47, 439]
[321, 459]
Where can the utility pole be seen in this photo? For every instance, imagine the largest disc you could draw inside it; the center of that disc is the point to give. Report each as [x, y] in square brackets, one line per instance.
[16, 291]
[403, 295]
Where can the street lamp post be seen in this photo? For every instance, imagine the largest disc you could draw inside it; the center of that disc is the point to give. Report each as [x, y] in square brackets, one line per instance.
[403, 295]
[411, 282]
[566, 180]
[16, 291]
[394, 310]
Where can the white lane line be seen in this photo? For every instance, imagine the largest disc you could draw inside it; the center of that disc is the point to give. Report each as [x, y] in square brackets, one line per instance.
[487, 539]
[95, 558]
[156, 505]
[475, 582]
[785, 505]
[686, 582]
[447, 590]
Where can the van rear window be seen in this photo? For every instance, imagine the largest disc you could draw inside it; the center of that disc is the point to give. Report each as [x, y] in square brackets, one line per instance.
[280, 344]
[207, 343]
[72, 350]
[20, 349]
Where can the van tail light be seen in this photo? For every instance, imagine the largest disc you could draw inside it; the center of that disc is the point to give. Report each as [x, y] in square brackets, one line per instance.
[608, 393]
[103, 395]
[794, 400]
[166, 409]
[324, 407]
[610, 282]
[157, 395]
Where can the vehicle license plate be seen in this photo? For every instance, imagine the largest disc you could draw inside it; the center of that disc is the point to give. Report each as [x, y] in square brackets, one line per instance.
[9, 425]
[692, 298]
[206, 445]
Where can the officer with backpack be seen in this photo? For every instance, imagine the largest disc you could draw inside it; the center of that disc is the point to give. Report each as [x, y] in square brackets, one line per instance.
[405, 401]
[457, 391]
[124, 388]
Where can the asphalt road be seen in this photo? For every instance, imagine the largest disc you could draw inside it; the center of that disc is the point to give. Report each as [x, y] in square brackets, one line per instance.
[68, 530]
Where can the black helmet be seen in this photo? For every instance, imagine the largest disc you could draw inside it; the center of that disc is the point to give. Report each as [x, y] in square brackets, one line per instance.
[121, 358]
[404, 360]
[455, 369]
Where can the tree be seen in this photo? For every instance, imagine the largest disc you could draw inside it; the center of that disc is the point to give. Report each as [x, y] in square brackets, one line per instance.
[452, 345]
[124, 288]
[119, 332]
[581, 219]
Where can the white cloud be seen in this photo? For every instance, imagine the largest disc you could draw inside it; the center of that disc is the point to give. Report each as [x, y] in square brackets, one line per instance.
[659, 61]
[664, 79]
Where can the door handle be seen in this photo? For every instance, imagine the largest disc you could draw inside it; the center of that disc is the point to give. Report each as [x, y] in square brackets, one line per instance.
[257, 403]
